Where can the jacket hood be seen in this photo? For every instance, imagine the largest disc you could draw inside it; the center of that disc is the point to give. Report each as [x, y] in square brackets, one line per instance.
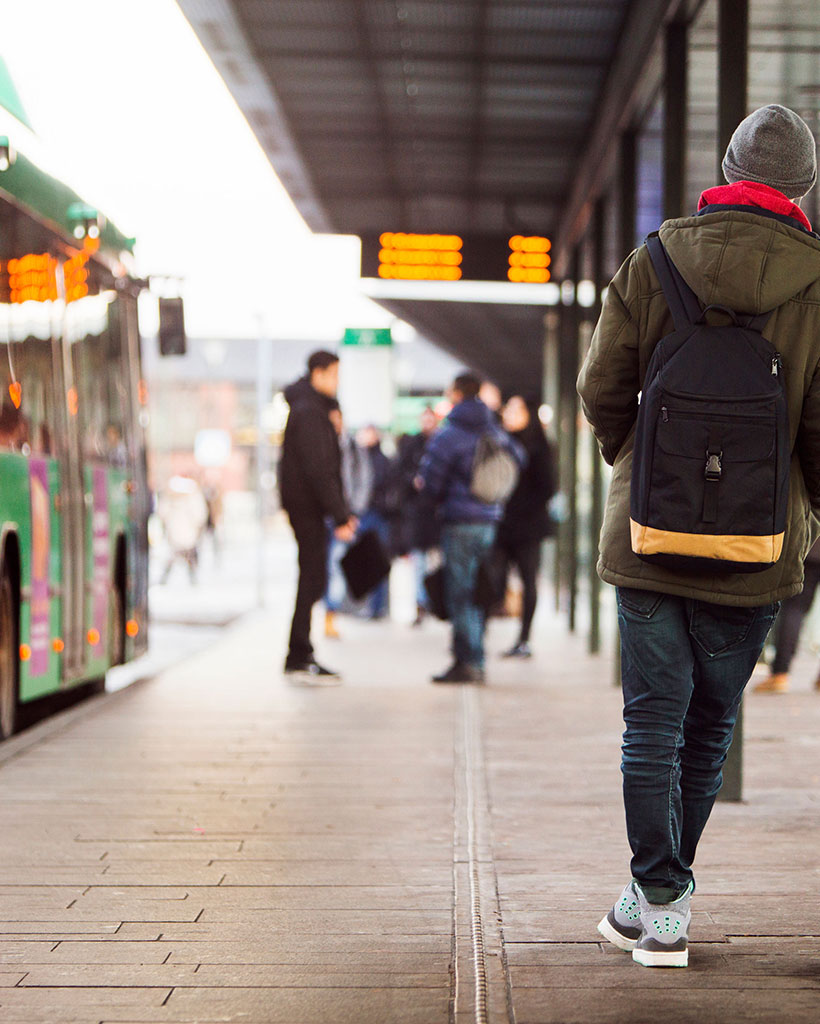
[471, 414]
[746, 261]
[753, 193]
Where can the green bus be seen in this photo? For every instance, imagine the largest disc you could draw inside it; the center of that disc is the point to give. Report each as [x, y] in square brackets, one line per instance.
[74, 498]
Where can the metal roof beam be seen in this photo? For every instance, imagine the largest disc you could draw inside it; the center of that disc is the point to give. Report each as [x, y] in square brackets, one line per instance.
[615, 109]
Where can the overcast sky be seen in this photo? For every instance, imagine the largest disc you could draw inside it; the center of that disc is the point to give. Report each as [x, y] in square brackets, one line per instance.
[135, 117]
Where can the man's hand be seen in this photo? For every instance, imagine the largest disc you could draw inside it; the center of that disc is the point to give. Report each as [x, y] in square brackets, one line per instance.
[347, 531]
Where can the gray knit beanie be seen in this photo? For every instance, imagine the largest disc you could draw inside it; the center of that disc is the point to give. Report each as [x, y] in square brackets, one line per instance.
[775, 147]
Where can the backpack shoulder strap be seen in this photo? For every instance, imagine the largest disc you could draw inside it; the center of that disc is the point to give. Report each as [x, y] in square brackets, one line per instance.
[683, 303]
[757, 323]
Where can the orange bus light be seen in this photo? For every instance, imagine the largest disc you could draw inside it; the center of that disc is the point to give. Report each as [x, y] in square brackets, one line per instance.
[25, 652]
[132, 627]
[58, 645]
[93, 636]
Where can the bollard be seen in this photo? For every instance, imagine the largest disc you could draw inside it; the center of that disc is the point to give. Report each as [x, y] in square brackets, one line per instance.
[732, 791]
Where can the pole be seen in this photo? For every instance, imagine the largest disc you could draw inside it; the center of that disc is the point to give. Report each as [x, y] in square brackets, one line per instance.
[674, 126]
[264, 385]
[733, 46]
[627, 193]
[569, 428]
[597, 484]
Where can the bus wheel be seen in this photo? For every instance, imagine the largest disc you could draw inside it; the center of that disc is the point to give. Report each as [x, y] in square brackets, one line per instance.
[9, 663]
[116, 627]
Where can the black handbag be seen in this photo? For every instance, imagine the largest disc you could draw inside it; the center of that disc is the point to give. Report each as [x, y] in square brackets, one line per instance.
[491, 581]
[434, 587]
[365, 564]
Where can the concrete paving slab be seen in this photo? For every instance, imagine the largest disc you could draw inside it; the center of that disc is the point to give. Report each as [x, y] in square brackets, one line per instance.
[602, 1006]
[263, 946]
[306, 1006]
[79, 952]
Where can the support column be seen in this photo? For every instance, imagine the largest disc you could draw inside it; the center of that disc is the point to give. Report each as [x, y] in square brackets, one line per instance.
[596, 513]
[675, 121]
[569, 436]
[733, 47]
[627, 210]
[733, 70]
[627, 189]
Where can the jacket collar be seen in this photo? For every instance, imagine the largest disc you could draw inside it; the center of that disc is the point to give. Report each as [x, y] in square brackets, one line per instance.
[752, 193]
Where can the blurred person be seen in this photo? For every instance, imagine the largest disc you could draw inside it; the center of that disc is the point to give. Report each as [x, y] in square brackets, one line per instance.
[469, 524]
[788, 627]
[183, 513]
[213, 498]
[310, 484]
[526, 520]
[14, 428]
[490, 395]
[377, 514]
[418, 529]
[357, 486]
[690, 638]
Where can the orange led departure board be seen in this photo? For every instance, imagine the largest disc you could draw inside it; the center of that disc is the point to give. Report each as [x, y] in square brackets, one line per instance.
[528, 259]
[410, 256]
[33, 278]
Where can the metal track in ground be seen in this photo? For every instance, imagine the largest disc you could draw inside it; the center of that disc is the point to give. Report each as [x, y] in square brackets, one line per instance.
[480, 983]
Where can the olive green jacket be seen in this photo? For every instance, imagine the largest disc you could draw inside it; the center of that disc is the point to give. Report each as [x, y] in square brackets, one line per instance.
[752, 264]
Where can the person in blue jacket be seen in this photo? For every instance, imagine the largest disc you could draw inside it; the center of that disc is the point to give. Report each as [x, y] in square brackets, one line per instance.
[468, 524]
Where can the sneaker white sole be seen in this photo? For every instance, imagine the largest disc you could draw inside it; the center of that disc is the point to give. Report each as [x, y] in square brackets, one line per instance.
[615, 937]
[650, 958]
[300, 679]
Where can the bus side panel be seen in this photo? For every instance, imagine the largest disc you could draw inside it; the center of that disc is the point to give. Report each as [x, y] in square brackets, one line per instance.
[98, 569]
[30, 490]
[139, 505]
[119, 515]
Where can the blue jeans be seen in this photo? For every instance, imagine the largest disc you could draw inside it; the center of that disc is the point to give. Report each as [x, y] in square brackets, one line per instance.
[684, 665]
[465, 545]
[336, 589]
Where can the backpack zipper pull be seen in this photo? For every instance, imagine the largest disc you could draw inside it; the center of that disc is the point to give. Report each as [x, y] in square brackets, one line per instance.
[776, 364]
[664, 414]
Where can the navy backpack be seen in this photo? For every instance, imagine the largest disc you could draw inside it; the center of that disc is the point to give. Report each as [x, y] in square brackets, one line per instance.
[710, 476]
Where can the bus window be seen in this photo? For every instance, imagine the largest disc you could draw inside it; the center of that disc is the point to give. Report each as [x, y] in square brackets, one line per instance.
[35, 372]
[97, 362]
[14, 430]
[27, 409]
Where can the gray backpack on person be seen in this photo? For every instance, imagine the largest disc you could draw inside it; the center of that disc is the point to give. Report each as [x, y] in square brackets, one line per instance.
[495, 470]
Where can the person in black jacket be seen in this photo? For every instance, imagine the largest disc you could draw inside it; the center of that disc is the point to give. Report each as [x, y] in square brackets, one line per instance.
[377, 515]
[526, 520]
[418, 529]
[310, 483]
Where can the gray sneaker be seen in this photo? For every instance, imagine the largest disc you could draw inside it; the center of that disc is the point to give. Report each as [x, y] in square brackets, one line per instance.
[622, 925]
[665, 931]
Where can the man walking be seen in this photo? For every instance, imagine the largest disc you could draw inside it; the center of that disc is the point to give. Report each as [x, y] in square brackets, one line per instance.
[469, 524]
[690, 639]
[310, 482]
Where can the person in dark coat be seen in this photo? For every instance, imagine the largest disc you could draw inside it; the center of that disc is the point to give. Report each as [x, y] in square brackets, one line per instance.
[469, 524]
[310, 482]
[526, 520]
[793, 611]
[418, 530]
[376, 516]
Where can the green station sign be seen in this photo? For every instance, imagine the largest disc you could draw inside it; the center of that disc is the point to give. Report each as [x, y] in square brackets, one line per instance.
[367, 337]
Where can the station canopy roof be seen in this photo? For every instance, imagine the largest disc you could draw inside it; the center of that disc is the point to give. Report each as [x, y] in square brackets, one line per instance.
[428, 116]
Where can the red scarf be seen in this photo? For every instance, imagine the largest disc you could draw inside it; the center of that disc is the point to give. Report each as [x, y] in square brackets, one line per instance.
[752, 193]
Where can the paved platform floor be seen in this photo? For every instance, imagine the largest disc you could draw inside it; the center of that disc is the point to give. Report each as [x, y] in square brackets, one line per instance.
[214, 845]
